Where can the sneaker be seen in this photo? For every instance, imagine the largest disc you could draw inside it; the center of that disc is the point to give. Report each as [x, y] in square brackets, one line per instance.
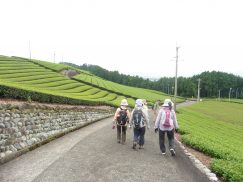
[172, 151]
[134, 145]
[141, 147]
[118, 141]
[163, 153]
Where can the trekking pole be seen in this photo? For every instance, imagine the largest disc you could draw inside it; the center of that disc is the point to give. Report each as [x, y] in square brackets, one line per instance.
[121, 135]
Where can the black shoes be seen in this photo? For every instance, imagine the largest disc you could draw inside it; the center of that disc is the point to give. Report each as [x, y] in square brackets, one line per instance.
[172, 151]
[134, 145]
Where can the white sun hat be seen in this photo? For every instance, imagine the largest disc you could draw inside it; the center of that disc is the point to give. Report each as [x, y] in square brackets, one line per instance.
[166, 103]
[139, 102]
[124, 102]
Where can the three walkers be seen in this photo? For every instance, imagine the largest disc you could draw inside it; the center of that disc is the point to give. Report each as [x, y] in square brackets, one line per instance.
[166, 123]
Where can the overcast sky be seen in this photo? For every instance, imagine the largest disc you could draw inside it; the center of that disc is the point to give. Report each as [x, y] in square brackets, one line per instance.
[136, 37]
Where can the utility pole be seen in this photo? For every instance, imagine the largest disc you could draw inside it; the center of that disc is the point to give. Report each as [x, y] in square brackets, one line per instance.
[198, 90]
[230, 93]
[219, 94]
[175, 94]
[29, 50]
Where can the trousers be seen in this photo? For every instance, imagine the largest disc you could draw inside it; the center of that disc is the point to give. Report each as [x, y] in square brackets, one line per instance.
[170, 135]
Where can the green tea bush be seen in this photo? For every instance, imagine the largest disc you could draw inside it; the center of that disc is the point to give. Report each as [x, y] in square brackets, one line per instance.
[232, 171]
[204, 129]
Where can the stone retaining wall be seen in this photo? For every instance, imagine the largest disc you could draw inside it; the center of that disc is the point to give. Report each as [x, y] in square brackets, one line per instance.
[23, 128]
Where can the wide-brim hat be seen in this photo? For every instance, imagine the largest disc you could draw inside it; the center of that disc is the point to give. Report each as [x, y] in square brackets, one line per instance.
[139, 103]
[124, 102]
[166, 103]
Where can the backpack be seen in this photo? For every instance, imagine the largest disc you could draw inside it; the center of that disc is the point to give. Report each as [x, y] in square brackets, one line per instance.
[137, 118]
[122, 117]
[167, 123]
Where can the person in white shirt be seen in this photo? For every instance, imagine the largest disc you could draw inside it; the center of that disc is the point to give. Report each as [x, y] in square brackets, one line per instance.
[166, 122]
[139, 121]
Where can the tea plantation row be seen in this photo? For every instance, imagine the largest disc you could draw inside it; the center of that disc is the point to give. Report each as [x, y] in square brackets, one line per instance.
[215, 128]
[43, 81]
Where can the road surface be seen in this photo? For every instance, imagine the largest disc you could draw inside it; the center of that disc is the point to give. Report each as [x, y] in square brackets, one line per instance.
[92, 154]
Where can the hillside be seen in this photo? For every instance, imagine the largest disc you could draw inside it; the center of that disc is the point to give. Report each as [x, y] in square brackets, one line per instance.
[43, 81]
[212, 82]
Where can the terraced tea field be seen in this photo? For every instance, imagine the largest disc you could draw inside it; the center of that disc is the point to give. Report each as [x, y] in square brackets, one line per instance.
[87, 78]
[150, 95]
[42, 81]
[215, 128]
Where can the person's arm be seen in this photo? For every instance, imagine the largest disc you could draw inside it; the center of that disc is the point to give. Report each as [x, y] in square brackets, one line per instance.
[128, 116]
[146, 118]
[145, 110]
[174, 120]
[158, 119]
[115, 116]
[131, 121]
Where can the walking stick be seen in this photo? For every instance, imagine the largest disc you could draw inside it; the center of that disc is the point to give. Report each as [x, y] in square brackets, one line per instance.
[121, 135]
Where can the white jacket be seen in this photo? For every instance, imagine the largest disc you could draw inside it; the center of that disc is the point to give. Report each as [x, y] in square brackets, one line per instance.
[161, 119]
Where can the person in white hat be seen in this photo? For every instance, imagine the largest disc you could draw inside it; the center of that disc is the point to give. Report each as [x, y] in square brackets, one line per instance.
[166, 122]
[169, 100]
[139, 121]
[121, 119]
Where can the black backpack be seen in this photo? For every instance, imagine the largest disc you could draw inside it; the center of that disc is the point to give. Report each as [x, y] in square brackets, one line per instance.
[122, 117]
[137, 118]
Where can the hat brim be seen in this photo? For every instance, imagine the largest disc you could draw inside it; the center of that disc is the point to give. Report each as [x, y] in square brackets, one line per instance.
[165, 105]
[124, 104]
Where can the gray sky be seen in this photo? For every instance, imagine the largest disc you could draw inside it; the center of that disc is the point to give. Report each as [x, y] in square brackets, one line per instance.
[136, 37]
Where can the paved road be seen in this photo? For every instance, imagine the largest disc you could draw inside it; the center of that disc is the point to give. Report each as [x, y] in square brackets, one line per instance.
[92, 154]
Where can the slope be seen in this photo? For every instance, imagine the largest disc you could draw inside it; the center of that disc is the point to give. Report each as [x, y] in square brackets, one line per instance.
[43, 81]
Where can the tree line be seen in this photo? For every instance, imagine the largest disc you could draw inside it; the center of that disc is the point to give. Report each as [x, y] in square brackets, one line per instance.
[213, 84]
